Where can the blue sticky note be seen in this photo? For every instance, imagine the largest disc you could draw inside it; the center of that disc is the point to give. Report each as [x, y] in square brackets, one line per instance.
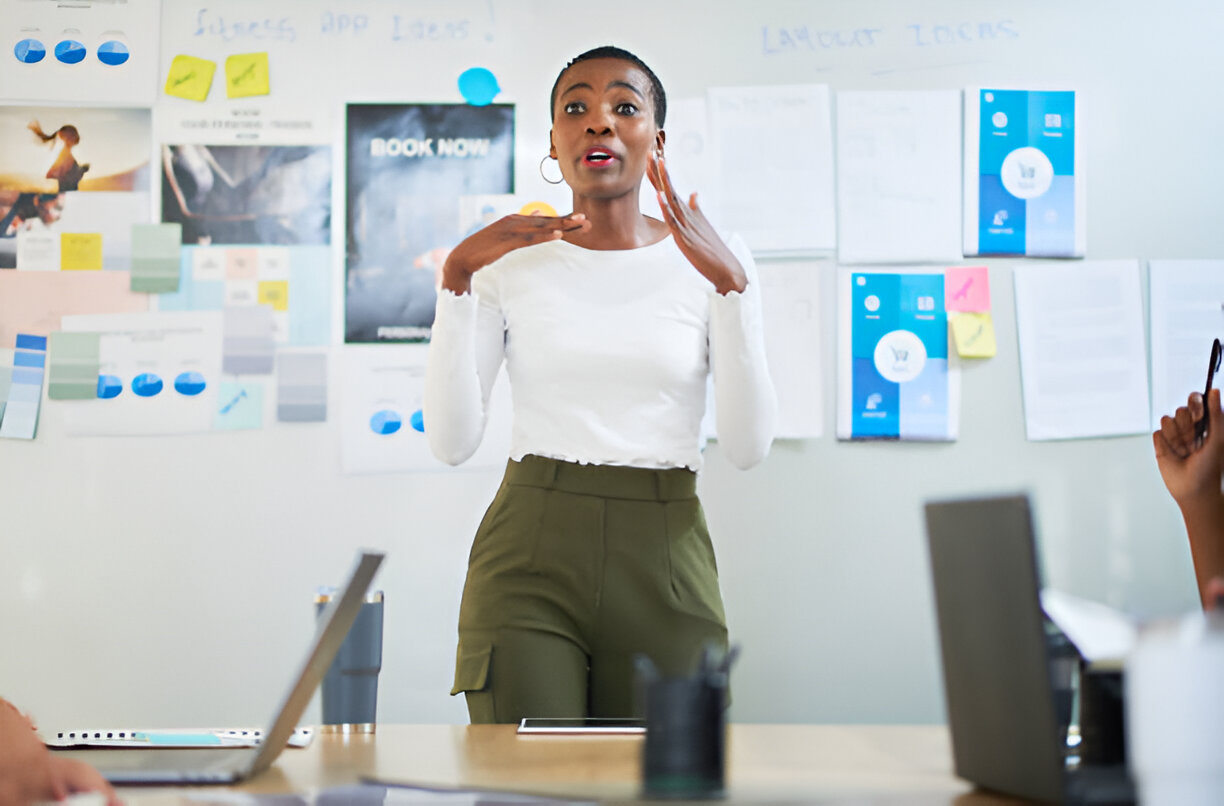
[27, 342]
[239, 406]
[179, 739]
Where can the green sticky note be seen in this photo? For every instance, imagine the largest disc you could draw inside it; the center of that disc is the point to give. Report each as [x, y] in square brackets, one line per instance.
[155, 275]
[157, 240]
[246, 74]
[74, 346]
[155, 257]
[73, 365]
[190, 78]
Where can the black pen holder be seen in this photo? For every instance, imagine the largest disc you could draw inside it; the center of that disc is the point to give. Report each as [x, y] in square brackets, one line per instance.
[684, 754]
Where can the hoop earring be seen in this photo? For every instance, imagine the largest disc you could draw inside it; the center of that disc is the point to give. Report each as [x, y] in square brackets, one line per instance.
[545, 178]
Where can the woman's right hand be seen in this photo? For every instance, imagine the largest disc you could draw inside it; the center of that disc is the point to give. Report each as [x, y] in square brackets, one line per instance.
[502, 236]
[1190, 470]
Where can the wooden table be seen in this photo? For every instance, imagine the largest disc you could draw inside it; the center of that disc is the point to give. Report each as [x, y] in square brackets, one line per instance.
[835, 764]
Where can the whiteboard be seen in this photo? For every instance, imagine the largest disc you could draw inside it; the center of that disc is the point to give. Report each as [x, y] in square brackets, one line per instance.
[169, 581]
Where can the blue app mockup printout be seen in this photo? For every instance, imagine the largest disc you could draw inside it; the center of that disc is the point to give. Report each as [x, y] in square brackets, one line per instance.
[899, 354]
[1026, 173]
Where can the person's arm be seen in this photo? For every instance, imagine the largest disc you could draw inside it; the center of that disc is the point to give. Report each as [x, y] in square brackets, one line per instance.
[1192, 473]
[466, 348]
[468, 340]
[29, 773]
[745, 404]
[746, 407]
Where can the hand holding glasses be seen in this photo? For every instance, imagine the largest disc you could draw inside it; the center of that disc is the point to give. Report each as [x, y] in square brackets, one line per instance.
[1200, 428]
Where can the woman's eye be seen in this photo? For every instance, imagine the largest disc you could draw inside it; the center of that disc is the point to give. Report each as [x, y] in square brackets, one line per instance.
[574, 108]
[626, 109]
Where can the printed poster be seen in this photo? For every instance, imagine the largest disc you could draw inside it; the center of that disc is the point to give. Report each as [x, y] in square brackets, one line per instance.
[256, 231]
[1024, 174]
[73, 181]
[895, 380]
[409, 165]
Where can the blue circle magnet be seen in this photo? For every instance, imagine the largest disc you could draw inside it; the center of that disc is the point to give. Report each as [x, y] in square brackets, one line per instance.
[189, 383]
[109, 386]
[113, 53]
[146, 384]
[30, 51]
[70, 51]
[478, 86]
[386, 422]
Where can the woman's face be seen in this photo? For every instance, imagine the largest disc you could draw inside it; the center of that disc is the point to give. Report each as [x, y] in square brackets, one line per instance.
[604, 128]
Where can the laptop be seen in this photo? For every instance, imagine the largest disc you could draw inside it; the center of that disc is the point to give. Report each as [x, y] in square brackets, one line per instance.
[222, 766]
[997, 669]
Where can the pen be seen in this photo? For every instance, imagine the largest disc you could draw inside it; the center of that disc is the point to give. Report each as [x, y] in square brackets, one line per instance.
[1200, 428]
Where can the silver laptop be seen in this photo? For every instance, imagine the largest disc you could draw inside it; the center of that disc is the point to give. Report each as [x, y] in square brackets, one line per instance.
[221, 766]
[997, 669]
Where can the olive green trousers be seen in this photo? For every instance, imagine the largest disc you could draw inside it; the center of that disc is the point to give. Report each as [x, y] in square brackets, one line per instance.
[574, 571]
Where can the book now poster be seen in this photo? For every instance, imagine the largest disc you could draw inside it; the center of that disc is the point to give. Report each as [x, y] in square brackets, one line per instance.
[409, 165]
[896, 377]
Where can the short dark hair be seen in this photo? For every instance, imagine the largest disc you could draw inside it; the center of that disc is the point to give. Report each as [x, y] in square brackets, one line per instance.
[658, 97]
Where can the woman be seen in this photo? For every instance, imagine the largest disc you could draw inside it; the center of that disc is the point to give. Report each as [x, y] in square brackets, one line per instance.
[65, 170]
[1193, 471]
[595, 548]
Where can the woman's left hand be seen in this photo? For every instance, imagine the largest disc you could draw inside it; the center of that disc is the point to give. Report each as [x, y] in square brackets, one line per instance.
[694, 234]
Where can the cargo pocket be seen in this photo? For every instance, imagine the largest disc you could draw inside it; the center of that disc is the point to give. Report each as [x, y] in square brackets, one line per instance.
[472, 669]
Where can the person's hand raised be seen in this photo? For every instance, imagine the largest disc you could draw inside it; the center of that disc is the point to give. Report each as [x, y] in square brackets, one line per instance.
[1191, 470]
[694, 234]
[502, 236]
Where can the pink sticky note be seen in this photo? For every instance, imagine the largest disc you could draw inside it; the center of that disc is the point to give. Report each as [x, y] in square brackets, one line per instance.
[967, 288]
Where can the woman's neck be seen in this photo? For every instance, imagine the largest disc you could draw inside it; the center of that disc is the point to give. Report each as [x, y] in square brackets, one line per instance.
[615, 224]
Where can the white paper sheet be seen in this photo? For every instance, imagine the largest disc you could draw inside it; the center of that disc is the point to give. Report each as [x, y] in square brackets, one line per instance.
[381, 428]
[1083, 360]
[135, 24]
[898, 177]
[1099, 632]
[687, 155]
[773, 149]
[790, 302]
[1187, 312]
[166, 356]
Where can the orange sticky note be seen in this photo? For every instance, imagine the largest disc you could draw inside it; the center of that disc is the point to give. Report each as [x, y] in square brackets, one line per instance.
[246, 74]
[538, 208]
[274, 293]
[190, 78]
[80, 251]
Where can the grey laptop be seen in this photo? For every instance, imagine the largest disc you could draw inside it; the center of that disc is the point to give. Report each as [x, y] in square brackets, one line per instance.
[219, 766]
[996, 660]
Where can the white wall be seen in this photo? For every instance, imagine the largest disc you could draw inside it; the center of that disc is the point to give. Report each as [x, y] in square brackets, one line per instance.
[168, 581]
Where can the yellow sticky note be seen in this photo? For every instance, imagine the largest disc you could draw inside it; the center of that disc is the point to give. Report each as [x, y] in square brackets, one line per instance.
[190, 78]
[274, 293]
[246, 74]
[974, 335]
[80, 251]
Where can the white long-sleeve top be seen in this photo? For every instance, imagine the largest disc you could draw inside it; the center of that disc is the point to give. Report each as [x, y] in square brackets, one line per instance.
[607, 354]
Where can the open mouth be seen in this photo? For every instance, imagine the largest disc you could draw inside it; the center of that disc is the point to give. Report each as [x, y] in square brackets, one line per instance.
[598, 158]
